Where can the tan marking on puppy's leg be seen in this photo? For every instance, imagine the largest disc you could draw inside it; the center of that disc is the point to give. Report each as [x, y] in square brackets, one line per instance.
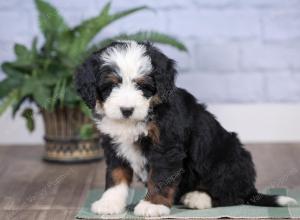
[113, 200]
[153, 131]
[160, 194]
[122, 174]
[158, 200]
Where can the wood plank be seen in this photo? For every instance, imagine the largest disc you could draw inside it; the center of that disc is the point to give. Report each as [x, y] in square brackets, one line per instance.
[33, 189]
[276, 164]
[17, 215]
[53, 214]
[41, 186]
[22, 165]
[72, 191]
[56, 214]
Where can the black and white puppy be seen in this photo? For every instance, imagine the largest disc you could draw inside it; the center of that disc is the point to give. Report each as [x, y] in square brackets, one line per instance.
[161, 134]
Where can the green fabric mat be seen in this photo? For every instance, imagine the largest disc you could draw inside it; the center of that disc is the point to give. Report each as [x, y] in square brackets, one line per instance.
[242, 211]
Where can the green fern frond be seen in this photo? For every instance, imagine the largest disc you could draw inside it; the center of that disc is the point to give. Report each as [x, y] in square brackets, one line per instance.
[8, 101]
[27, 114]
[51, 22]
[121, 14]
[88, 29]
[151, 36]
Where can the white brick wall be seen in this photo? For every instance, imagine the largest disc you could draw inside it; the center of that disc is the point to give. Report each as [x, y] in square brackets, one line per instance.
[239, 50]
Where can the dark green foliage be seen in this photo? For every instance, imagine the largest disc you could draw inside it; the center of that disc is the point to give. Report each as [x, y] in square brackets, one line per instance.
[86, 131]
[44, 74]
[27, 114]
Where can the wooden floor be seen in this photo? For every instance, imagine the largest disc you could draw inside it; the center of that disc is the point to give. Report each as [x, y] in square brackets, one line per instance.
[32, 189]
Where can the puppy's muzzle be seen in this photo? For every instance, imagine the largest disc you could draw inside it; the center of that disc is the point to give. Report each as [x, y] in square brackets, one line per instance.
[126, 112]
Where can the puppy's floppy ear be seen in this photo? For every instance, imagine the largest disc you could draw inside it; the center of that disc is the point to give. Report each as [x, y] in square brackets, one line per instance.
[164, 72]
[85, 81]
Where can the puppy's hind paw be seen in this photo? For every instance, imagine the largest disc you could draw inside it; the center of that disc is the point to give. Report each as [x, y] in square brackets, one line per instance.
[197, 200]
[147, 209]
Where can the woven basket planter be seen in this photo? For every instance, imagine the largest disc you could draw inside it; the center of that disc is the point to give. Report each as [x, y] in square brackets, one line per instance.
[62, 140]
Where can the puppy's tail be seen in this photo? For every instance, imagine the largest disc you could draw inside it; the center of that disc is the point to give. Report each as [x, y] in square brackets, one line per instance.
[259, 199]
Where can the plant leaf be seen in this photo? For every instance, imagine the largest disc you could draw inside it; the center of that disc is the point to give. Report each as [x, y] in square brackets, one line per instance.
[17, 105]
[62, 91]
[88, 29]
[34, 49]
[8, 101]
[83, 33]
[85, 109]
[42, 97]
[27, 114]
[151, 36]
[12, 69]
[13, 80]
[71, 97]
[54, 97]
[127, 12]
[21, 51]
[86, 131]
[41, 94]
[106, 8]
[8, 85]
[51, 22]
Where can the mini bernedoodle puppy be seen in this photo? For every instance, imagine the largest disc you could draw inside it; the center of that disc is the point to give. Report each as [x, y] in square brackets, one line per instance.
[159, 132]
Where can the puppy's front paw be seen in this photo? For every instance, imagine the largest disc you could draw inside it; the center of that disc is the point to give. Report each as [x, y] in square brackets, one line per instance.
[113, 201]
[147, 209]
[108, 206]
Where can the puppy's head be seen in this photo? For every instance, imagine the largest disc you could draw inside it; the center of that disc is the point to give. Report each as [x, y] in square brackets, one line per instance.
[124, 80]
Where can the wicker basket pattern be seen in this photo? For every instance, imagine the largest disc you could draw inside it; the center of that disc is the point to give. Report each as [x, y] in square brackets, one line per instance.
[61, 137]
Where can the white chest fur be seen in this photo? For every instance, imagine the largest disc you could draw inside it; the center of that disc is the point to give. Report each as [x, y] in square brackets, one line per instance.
[125, 134]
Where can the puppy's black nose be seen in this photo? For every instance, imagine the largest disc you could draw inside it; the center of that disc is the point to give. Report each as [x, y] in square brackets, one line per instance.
[126, 111]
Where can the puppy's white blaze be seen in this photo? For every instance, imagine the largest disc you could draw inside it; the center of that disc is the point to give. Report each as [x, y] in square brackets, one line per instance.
[286, 201]
[113, 200]
[197, 200]
[147, 209]
[130, 59]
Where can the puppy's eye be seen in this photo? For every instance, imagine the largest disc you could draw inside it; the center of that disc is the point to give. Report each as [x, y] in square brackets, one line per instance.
[113, 79]
[105, 90]
[147, 89]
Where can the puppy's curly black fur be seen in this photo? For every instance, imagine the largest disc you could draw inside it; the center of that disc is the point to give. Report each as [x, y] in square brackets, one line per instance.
[186, 148]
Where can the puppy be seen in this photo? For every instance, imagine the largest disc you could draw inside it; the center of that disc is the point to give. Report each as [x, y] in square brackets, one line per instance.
[159, 132]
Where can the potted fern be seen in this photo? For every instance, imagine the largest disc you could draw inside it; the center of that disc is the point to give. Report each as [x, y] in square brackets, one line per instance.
[42, 77]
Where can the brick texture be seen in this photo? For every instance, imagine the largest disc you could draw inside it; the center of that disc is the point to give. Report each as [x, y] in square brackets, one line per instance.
[239, 50]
